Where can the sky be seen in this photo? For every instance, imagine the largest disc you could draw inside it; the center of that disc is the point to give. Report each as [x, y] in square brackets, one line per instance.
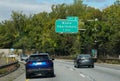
[35, 6]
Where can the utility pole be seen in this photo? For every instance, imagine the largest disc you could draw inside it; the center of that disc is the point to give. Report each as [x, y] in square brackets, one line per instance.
[81, 47]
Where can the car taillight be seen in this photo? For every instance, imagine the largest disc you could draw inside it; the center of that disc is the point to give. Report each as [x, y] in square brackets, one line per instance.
[29, 63]
[48, 61]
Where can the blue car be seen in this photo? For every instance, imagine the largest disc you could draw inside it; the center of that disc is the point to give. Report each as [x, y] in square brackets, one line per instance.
[39, 64]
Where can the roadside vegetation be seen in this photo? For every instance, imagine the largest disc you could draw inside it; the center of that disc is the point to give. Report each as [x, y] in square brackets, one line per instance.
[38, 31]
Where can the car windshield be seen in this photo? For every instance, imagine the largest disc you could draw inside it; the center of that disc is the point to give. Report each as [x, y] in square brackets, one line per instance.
[38, 57]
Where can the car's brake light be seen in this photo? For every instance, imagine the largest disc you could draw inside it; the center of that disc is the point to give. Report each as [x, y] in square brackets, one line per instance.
[29, 63]
[48, 61]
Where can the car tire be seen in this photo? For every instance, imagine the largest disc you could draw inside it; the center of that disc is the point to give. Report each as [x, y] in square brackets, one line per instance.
[92, 66]
[27, 75]
[51, 74]
[74, 65]
[77, 66]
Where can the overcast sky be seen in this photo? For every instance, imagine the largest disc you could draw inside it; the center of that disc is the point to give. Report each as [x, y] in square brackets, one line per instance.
[36, 6]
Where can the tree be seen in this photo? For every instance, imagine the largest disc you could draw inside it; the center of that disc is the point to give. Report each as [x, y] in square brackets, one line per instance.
[38, 31]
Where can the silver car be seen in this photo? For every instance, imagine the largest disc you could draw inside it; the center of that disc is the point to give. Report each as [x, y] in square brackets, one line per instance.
[23, 57]
[83, 60]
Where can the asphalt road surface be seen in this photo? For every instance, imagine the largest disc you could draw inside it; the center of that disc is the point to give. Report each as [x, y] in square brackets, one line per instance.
[65, 71]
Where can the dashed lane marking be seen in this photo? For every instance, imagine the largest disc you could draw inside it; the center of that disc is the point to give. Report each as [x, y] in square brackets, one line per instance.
[82, 75]
[87, 76]
[71, 69]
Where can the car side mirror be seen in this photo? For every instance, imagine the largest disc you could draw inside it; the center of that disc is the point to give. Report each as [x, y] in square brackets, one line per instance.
[53, 59]
[26, 60]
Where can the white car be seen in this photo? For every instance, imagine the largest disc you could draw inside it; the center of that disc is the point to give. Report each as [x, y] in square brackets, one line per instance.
[23, 57]
[12, 55]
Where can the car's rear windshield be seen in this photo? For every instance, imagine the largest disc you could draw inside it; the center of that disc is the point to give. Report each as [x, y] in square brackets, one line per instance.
[84, 56]
[24, 55]
[39, 57]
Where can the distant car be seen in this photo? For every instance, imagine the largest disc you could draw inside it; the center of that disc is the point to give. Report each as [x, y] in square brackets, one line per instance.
[12, 55]
[23, 57]
[39, 64]
[83, 60]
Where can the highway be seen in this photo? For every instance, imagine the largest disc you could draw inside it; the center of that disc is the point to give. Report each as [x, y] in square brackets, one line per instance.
[65, 71]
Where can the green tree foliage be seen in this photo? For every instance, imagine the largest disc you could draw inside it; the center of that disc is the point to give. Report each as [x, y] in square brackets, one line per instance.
[38, 31]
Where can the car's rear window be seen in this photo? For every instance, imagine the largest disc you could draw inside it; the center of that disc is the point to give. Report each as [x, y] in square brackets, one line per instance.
[39, 57]
[23, 55]
[84, 56]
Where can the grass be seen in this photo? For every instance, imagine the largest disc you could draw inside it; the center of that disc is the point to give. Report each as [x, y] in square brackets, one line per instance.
[2, 71]
[7, 69]
[4, 61]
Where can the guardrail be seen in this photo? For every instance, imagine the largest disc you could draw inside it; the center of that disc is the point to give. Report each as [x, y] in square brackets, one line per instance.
[8, 68]
[100, 60]
[112, 61]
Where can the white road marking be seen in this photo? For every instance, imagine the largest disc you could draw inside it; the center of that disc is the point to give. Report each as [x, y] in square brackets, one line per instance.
[71, 69]
[87, 76]
[82, 75]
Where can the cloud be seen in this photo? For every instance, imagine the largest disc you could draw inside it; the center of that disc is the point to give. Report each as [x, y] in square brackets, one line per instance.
[56, 1]
[36, 6]
[26, 6]
[97, 1]
[100, 4]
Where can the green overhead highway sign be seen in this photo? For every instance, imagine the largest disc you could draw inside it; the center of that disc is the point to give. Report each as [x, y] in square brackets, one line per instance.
[72, 18]
[66, 25]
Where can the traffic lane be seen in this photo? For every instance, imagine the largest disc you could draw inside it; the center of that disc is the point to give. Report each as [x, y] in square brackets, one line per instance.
[62, 73]
[101, 73]
[97, 73]
[65, 71]
[21, 78]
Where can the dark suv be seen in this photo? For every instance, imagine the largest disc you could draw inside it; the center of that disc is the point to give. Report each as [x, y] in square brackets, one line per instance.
[39, 64]
[83, 60]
